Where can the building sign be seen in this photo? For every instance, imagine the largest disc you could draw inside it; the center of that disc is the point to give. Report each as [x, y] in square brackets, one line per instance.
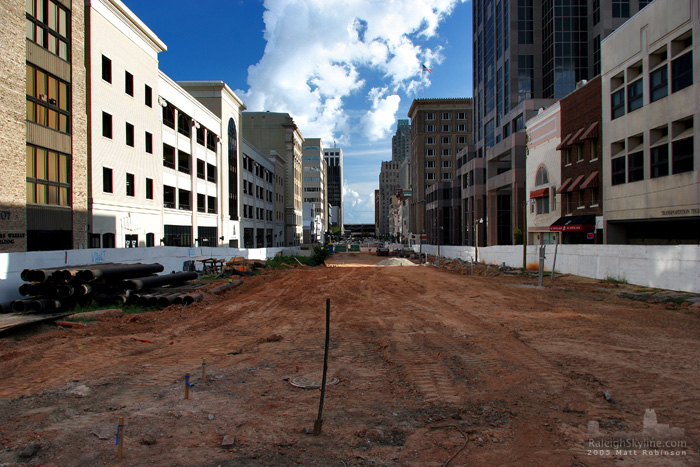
[407, 193]
[9, 238]
[681, 212]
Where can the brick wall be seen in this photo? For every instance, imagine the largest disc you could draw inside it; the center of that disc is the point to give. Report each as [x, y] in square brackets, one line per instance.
[12, 127]
[79, 181]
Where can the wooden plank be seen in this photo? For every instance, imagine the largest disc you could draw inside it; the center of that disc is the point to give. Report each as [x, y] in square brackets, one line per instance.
[9, 321]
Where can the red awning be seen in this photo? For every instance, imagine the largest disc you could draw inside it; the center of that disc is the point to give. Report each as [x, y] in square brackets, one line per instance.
[591, 132]
[572, 187]
[574, 139]
[563, 142]
[539, 193]
[563, 185]
[591, 181]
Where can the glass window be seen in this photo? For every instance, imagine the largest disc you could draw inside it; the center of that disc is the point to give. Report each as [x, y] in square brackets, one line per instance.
[129, 83]
[618, 171]
[635, 95]
[621, 8]
[683, 155]
[542, 176]
[106, 180]
[617, 103]
[106, 69]
[659, 161]
[169, 196]
[106, 125]
[658, 83]
[130, 189]
[682, 71]
[149, 143]
[168, 156]
[149, 188]
[635, 167]
[148, 93]
[130, 135]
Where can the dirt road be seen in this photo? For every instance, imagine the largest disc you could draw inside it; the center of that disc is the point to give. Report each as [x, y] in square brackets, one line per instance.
[434, 368]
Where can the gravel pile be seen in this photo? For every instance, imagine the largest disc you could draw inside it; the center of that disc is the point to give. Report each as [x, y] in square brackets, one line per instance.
[396, 262]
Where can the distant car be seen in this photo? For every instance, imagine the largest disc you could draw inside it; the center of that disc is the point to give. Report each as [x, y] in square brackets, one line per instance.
[382, 251]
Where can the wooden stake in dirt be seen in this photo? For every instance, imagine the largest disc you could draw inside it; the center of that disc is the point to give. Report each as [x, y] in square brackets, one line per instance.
[187, 386]
[204, 370]
[120, 438]
[319, 420]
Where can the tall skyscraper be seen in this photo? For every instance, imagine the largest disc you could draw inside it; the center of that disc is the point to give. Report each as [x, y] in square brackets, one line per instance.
[334, 159]
[401, 141]
[527, 54]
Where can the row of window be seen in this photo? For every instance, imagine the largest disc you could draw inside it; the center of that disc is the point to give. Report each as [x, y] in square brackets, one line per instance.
[430, 152]
[445, 115]
[630, 97]
[443, 164]
[443, 176]
[445, 140]
[253, 167]
[444, 128]
[252, 212]
[630, 167]
[48, 177]
[48, 25]
[129, 131]
[184, 200]
[255, 190]
[48, 100]
[128, 82]
[108, 184]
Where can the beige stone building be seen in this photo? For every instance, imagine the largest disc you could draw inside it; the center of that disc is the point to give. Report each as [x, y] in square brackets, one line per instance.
[440, 128]
[276, 132]
[43, 200]
[315, 190]
[651, 126]
[126, 196]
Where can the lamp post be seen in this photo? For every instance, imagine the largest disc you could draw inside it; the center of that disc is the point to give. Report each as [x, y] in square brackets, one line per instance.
[476, 238]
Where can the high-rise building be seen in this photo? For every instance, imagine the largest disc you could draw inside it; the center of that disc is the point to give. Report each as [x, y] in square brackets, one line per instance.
[527, 54]
[401, 141]
[315, 201]
[440, 128]
[334, 160]
[388, 185]
[44, 194]
[277, 133]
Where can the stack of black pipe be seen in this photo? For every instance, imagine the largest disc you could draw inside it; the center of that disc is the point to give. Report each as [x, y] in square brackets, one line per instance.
[55, 290]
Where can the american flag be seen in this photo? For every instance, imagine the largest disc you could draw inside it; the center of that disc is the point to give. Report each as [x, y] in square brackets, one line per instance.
[425, 68]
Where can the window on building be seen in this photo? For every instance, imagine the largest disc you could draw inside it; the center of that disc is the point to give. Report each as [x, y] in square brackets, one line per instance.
[543, 205]
[635, 95]
[617, 103]
[212, 139]
[48, 177]
[148, 96]
[620, 8]
[200, 135]
[596, 55]
[107, 180]
[211, 204]
[445, 152]
[618, 170]
[201, 202]
[183, 124]
[429, 128]
[596, 12]
[48, 100]
[429, 164]
[682, 71]
[149, 143]
[446, 164]
[430, 116]
[446, 128]
[183, 162]
[635, 167]
[542, 177]
[48, 24]
[445, 116]
[150, 239]
[658, 83]
[683, 155]
[130, 188]
[429, 152]
[169, 196]
[168, 156]
[184, 200]
[211, 173]
[461, 140]
[659, 161]
[129, 83]
[200, 168]
[169, 116]
[429, 140]
[129, 134]
[430, 176]
[526, 77]
[446, 176]
[525, 22]
[106, 69]
[149, 188]
[445, 140]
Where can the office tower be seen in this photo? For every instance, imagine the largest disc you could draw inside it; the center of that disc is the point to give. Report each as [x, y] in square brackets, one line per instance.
[401, 141]
[334, 160]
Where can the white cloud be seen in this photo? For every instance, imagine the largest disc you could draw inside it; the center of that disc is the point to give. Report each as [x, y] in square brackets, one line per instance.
[358, 202]
[377, 122]
[317, 51]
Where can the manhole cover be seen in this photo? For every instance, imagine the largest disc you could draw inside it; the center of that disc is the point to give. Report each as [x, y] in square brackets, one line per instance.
[311, 381]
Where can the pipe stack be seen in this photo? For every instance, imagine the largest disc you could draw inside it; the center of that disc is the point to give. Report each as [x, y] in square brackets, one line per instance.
[54, 290]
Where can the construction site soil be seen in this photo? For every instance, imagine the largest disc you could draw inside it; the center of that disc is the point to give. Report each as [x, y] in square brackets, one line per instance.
[434, 367]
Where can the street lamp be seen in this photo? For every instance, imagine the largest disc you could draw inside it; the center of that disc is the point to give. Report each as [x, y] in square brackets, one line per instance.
[476, 238]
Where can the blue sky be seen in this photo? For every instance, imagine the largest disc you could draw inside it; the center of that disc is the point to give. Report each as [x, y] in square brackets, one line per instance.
[345, 70]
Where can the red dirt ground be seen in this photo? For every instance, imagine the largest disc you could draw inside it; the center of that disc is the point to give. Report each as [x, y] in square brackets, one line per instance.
[435, 368]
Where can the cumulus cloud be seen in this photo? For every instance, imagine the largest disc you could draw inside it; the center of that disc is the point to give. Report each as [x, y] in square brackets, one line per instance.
[318, 50]
[358, 208]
